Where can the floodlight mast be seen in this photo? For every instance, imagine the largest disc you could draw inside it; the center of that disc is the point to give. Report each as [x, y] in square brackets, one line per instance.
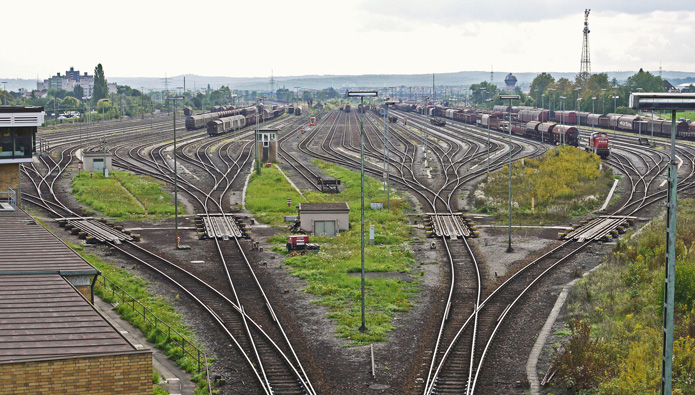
[362, 95]
[510, 98]
[673, 102]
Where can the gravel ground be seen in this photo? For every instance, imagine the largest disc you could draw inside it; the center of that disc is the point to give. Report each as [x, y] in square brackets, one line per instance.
[337, 369]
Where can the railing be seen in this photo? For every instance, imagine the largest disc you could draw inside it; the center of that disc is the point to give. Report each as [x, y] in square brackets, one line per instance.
[186, 346]
[11, 197]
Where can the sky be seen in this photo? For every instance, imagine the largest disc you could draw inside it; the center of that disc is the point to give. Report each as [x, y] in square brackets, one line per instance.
[155, 38]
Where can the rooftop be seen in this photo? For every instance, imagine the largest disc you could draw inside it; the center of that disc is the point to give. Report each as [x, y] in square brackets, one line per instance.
[43, 316]
[324, 207]
[20, 237]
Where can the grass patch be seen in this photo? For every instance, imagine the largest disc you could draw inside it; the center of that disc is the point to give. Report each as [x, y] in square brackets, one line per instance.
[123, 195]
[616, 316]
[137, 287]
[549, 189]
[267, 194]
[327, 273]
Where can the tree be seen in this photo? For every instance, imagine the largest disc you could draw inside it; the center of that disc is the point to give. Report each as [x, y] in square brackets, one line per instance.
[483, 91]
[540, 84]
[70, 103]
[78, 92]
[101, 89]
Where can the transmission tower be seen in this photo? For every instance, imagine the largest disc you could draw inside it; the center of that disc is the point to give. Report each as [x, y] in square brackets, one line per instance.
[272, 83]
[585, 69]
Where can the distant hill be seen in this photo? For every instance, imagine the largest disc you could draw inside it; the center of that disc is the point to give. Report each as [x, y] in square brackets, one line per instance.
[341, 82]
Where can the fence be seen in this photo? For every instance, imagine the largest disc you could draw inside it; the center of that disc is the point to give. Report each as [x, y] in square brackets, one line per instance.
[129, 301]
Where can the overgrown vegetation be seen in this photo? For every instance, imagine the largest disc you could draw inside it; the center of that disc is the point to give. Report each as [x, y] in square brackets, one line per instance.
[266, 197]
[616, 311]
[328, 273]
[137, 288]
[123, 195]
[549, 189]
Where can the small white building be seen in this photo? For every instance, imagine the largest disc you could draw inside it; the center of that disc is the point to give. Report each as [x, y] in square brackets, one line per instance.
[95, 159]
[324, 218]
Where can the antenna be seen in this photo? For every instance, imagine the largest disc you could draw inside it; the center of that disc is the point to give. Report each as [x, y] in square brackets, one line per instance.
[272, 82]
[659, 69]
[585, 68]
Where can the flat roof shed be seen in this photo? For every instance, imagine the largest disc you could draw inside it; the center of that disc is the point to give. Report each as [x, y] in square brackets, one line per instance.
[324, 218]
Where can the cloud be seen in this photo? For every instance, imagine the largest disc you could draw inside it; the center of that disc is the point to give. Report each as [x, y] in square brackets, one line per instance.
[458, 11]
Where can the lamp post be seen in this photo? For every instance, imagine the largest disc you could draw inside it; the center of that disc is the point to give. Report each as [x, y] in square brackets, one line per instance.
[362, 95]
[562, 117]
[488, 144]
[603, 96]
[387, 159]
[579, 139]
[175, 99]
[103, 116]
[615, 104]
[510, 97]
[673, 102]
[427, 98]
[543, 100]
[257, 149]
[593, 111]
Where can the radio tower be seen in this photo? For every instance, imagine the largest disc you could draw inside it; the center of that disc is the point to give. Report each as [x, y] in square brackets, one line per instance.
[586, 58]
[272, 83]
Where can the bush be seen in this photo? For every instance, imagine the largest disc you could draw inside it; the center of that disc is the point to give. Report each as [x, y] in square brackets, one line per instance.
[584, 362]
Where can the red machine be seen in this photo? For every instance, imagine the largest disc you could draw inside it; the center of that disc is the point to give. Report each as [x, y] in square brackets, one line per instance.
[598, 144]
[297, 243]
[301, 243]
[312, 121]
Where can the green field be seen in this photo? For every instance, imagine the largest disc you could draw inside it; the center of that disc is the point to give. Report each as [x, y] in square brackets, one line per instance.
[123, 195]
[327, 274]
[550, 189]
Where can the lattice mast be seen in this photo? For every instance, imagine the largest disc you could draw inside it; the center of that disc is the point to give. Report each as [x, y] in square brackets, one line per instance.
[585, 68]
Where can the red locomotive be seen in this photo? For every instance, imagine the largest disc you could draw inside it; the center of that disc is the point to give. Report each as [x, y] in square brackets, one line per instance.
[598, 144]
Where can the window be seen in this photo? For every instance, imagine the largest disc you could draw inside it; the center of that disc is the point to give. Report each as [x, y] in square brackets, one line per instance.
[16, 143]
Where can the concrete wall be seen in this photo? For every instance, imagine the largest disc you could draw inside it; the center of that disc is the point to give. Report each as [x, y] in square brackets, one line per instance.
[108, 374]
[307, 220]
[9, 178]
[88, 160]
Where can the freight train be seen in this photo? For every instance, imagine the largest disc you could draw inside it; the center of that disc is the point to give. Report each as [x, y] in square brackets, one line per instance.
[231, 123]
[201, 120]
[622, 122]
[547, 132]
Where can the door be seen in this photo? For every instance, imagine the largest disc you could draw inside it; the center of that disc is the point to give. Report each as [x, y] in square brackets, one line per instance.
[98, 164]
[324, 228]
